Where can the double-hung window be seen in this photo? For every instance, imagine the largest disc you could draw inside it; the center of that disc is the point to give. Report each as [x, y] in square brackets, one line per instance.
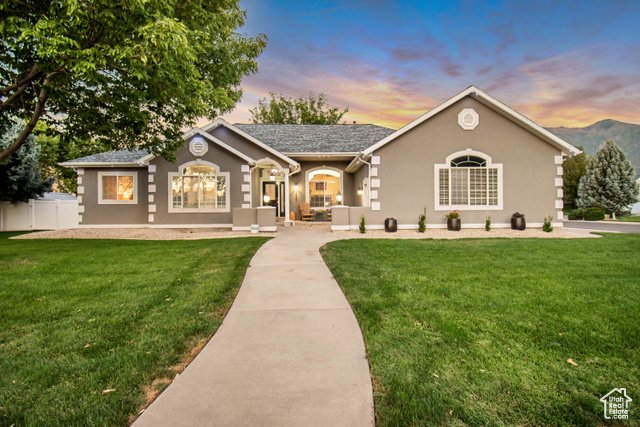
[117, 188]
[468, 180]
[199, 188]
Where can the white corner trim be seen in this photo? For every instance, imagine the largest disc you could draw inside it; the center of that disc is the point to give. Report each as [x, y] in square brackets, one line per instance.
[79, 180]
[152, 208]
[151, 168]
[374, 171]
[375, 160]
[559, 204]
[151, 198]
[151, 218]
[472, 90]
[373, 194]
[79, 199]
[559, 170]
[80, 219]
[560, 193]
[558, 182]
[558, 160]
[244, 168]
[560, 215]
[246, 188]
[80, 189]
[151, 178]
[80, 209]
[375, 183]
[80, 171]
[152, 188]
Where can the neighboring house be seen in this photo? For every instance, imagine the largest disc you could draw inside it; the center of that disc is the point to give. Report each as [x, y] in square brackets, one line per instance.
[635, 208]
[471, 153]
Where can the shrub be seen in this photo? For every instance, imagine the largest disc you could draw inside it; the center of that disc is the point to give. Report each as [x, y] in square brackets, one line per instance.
[575, 214]
[593, 214]
[547, 227]
[453, 214]
[487, 223]
[363, 228]
[422, 221]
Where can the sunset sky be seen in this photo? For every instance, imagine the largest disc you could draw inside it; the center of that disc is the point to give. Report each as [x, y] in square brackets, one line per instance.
[561, 63]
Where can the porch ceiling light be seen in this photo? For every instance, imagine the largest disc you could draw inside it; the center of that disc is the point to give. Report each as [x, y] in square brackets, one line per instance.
[272, 176]
[339, 197]
[266, 198]
[360, 191]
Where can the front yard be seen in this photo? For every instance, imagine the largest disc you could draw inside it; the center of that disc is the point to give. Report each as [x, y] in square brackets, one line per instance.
[89, 327]
[490, 332]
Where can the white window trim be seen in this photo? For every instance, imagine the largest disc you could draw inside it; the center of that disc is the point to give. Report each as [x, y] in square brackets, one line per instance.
[447, 165]
[118, 202]
[317, 170]
[226, 175]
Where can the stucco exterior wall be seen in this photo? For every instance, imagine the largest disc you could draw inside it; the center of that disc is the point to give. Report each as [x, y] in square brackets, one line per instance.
[94, 213]
[225, 160]
[406, 169]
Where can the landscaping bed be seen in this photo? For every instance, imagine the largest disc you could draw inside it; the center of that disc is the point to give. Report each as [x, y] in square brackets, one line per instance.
[92, 330]
[494, 331]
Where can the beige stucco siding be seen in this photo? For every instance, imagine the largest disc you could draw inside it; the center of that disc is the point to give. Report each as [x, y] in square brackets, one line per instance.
[406, 169]
[100, 214]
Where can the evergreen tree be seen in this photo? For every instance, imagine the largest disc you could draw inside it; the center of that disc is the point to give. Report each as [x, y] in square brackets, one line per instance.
[609, 180]
[20, 177]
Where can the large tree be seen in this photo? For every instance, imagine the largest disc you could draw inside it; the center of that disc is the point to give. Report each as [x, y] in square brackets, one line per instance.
[574, 168]
[284, 110]
[609, 181]
[20, 178]
[132, 74]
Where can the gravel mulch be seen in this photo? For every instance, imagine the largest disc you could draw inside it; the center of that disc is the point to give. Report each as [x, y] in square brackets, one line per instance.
[441, 233]
[141, 234]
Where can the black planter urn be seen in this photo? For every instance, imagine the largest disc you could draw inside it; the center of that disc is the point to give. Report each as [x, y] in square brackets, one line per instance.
[454, 224]
[390, 225]
[518, 223]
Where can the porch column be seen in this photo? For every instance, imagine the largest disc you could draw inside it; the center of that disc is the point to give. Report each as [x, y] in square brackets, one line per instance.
[287, 221]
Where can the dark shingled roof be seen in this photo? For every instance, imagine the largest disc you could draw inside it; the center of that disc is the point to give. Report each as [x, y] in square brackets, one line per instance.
[120, 156]
[316, 138]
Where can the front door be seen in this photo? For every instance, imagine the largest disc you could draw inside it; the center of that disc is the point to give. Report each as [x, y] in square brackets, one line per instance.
[275, 190]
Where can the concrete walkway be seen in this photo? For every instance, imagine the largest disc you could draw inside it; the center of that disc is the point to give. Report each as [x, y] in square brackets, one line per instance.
[289, 353]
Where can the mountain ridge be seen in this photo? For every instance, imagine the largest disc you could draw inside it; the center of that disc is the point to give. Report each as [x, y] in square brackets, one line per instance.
[591, 137]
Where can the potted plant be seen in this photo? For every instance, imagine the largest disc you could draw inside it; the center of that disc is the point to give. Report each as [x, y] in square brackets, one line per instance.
[518, 222]
[453, 221]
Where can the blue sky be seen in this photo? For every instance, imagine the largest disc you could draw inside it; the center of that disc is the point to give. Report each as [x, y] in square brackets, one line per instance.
[568, 63]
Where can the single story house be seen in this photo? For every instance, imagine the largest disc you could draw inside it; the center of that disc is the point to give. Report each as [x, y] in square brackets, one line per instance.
[471, 153]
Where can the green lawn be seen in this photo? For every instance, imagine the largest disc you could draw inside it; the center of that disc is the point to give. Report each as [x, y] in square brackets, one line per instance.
[629, 219]
[79, 317]
[478, 332]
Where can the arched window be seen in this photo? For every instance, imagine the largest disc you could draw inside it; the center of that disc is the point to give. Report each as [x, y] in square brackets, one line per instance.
[198, 187]
[323, 186]
[469, 180]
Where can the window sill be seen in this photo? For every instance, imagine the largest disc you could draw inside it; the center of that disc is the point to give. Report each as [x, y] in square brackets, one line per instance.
[468, 208]
[199, 210]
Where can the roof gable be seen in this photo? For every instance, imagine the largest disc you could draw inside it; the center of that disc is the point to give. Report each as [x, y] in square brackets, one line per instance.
[489, 101]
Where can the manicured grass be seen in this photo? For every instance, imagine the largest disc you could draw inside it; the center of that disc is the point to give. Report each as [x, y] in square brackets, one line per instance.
[629, 219]
[78, 317]
[478, 331]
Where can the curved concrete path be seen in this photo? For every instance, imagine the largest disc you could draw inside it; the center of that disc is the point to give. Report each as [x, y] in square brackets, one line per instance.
[289, 352]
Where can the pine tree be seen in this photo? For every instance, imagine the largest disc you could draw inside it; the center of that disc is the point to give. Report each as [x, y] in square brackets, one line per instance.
[609, 181]
[20, 177]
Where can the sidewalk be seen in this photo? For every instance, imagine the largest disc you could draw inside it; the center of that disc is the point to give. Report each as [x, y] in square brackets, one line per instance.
[290, 351]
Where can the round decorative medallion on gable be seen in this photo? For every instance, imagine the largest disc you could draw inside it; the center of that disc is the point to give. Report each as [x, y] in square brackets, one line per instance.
[198, 146]
[468, 119]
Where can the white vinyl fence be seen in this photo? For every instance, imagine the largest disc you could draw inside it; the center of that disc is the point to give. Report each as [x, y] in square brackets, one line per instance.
[39, 215]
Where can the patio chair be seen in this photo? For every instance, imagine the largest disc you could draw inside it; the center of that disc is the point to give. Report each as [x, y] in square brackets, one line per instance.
[305, 211]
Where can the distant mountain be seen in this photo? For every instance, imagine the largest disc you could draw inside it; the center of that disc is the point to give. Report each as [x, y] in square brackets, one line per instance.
[591, 137]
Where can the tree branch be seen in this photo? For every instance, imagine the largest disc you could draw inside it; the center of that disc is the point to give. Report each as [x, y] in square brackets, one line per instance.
[6, 104]
[37, 112]
[35, 72]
